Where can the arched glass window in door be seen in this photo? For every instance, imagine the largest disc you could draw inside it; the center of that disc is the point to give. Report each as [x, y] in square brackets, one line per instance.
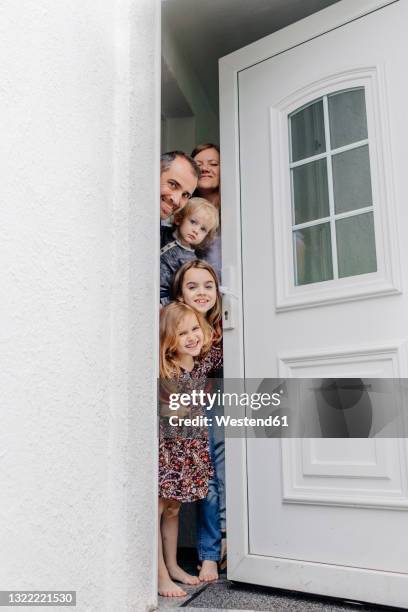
[332, 205]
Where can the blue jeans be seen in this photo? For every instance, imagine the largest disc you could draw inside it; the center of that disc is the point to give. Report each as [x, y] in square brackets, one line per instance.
[211, 509]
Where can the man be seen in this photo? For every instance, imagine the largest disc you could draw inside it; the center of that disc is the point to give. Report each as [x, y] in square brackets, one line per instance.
[178, 179]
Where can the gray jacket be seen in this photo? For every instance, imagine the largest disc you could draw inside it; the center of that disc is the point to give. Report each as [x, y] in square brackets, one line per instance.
[172, 256]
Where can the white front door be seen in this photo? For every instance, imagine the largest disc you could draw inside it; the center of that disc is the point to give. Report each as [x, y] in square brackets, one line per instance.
[316, 217]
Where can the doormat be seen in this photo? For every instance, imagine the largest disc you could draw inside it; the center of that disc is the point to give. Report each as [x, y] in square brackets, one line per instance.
[225, 595]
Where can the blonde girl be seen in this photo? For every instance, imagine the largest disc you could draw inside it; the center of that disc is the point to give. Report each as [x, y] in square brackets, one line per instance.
[184, 460]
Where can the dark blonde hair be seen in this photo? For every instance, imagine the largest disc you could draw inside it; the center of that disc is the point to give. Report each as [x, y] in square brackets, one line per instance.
[198, 149]
[171, 317]
[204, 147]
[214, 315]
[194, 205]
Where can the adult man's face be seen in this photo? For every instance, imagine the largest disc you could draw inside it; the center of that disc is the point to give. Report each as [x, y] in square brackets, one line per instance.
[177, 185]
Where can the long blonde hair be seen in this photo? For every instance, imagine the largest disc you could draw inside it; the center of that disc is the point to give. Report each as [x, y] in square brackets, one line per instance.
[214, 315]
[171, 317]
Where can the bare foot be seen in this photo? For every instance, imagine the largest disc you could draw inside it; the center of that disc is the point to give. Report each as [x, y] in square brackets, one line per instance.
[181, 576]
[208, 571]
[167, 588]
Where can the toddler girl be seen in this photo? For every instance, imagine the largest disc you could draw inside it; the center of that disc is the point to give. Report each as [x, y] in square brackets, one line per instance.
[184, 459]
[194, 228]
[196, 284]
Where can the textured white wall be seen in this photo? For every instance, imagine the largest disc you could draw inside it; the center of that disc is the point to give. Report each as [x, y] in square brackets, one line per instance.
[78, 193]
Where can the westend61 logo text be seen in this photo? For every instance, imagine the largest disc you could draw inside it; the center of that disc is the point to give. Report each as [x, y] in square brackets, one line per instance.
[255, 401]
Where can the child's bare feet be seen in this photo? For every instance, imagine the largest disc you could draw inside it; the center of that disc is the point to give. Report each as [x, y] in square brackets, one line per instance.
[208, 571]
[181, 576]
[167, 588]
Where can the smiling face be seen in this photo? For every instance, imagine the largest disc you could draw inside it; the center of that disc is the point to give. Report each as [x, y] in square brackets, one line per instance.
[209, 163]
[199, 290]
[189, 339]
[194, 228]
[177, 184]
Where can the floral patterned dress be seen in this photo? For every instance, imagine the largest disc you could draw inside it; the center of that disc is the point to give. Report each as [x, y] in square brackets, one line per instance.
[184, 457]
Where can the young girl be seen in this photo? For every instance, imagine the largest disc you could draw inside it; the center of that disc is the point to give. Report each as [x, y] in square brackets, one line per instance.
[194, 228]
[184, 460]
[196, 284]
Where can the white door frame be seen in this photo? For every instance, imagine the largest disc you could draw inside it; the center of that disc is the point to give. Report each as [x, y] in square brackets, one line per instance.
[243, 566]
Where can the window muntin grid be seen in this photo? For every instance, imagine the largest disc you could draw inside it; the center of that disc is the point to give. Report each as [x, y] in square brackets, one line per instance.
[326, 187]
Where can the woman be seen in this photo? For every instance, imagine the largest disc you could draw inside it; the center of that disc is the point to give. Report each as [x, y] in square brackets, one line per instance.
[207, 157]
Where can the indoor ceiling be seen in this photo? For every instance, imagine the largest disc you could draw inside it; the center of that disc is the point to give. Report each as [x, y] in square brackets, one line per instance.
[209, 29]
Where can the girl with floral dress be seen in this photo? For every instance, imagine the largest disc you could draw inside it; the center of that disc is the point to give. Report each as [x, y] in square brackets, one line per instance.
[184, 458]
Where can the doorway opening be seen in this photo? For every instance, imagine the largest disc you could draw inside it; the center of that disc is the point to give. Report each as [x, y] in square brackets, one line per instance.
[194, 37]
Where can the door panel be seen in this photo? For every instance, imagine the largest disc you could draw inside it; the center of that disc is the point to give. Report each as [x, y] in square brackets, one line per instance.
[332, 501]
[323, 218]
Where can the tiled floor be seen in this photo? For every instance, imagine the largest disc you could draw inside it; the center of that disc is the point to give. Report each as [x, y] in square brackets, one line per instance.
[225, 595]
[233, 596]
[176, 602]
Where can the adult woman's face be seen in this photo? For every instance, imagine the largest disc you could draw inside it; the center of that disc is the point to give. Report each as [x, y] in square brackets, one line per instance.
[209, 162]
